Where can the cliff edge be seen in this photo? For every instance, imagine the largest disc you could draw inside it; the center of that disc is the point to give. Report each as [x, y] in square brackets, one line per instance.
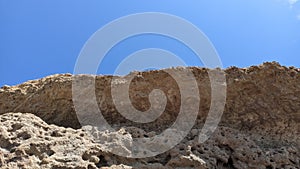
[259, 128]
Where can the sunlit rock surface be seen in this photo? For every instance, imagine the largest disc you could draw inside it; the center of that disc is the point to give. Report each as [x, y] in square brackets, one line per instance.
[260, 126]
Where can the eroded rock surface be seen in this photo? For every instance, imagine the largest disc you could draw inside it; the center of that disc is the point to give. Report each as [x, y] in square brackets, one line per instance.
[260, 127]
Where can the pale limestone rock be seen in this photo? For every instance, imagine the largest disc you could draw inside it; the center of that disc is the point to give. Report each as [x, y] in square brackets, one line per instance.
[260, 126]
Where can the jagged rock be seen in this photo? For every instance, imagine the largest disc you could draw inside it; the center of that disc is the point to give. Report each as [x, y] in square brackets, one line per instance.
[28, 142]
[260, 126]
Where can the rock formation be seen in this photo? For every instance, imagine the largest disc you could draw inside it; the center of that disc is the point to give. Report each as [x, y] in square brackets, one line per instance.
[260, 126]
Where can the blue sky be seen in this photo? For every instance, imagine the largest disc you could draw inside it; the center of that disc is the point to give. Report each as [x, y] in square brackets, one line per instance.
[40, 38]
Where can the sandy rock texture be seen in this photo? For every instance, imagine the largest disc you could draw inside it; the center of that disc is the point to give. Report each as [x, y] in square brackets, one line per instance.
[260, 126]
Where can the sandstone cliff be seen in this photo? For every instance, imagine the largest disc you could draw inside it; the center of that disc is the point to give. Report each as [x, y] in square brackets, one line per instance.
[260, 126]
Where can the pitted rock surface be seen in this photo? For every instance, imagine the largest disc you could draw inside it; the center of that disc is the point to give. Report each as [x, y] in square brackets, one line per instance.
[260, 127]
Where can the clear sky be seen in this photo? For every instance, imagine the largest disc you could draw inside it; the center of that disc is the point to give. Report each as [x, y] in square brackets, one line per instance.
[40, 38]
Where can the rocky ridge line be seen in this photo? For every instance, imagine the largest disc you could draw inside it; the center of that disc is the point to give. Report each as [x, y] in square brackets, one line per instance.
[259, 128]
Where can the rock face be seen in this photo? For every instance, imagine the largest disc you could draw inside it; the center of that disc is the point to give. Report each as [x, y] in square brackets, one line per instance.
[260, 126]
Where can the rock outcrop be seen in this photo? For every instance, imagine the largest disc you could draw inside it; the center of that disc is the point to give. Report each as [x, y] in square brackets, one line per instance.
[260, 126]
